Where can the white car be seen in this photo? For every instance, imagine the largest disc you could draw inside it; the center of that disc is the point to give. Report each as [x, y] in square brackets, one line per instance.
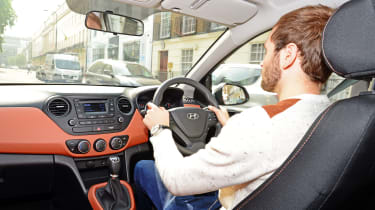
[60, 68]
[245, 75]
[109, 72]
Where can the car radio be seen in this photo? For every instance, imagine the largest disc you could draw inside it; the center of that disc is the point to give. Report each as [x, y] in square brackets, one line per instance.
[95, 115]
[90, 115]
[94, 109]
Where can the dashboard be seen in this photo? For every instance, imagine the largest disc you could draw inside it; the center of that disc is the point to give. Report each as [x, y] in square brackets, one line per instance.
[67, 133]
[76, 120]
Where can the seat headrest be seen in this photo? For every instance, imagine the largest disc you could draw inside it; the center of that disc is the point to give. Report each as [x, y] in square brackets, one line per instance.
[349, 40]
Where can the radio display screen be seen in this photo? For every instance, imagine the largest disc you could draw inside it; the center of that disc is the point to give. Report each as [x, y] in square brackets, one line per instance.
[94, 107]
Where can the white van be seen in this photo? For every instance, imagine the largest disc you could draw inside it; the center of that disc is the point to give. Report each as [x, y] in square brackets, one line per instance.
[62, 67]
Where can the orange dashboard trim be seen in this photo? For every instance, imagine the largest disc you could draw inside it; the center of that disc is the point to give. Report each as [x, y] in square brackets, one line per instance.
[192, 105]
[28, 130]
[95, 203]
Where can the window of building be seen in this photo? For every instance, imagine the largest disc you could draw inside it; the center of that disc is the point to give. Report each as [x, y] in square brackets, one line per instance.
[188, 25]
[257, 52]
[98, 53]
[165, 25]
[216, 26]
[131, 51]
[186, 60]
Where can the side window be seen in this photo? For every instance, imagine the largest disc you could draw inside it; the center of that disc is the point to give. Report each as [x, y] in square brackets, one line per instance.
[107, 70]
[243, 68]
[332, 82]
[96, 68]
[335, 89]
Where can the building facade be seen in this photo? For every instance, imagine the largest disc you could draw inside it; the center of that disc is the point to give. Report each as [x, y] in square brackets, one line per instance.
[179, 41]
[63, 32]
[120, 47]
[14, 50]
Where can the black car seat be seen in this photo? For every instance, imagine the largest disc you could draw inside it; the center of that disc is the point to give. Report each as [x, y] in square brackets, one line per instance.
[333, 167]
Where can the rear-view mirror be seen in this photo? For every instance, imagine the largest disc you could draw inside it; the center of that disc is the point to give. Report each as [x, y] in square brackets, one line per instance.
[114, 23]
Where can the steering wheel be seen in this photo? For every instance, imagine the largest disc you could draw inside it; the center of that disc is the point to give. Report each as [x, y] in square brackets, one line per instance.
[190, 124]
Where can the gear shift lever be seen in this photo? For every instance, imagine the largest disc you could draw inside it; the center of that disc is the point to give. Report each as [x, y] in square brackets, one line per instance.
[114, 166]
[114, 196]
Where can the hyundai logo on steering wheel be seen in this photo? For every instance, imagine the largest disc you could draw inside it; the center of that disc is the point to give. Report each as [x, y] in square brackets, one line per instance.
[193, 116]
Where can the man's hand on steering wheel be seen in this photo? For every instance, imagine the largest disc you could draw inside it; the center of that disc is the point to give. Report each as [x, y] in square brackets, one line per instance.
[190, 126]
[221, 114]
[155, 116]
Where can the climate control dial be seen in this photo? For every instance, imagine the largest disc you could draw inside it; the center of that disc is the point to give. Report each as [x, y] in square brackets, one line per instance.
[100, 145]
[118, 142]
[78, 146]
[83, 146]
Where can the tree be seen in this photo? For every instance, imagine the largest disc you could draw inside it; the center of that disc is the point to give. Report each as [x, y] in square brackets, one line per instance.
[7, 18]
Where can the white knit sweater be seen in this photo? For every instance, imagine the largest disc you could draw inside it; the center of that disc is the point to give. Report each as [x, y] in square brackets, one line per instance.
[250, 147]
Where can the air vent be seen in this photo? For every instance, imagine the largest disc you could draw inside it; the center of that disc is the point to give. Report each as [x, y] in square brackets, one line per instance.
[58, 107]
[124, 105]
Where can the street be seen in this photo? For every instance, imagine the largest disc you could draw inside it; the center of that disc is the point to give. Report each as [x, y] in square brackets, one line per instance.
[17, 76]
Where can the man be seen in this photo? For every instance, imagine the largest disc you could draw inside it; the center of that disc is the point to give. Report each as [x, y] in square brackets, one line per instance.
[254, 143]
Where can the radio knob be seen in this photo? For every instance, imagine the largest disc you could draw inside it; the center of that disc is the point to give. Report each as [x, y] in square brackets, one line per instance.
[83, 147]
[72, 122]
[120, 119]
[100, 145]
[116, 143]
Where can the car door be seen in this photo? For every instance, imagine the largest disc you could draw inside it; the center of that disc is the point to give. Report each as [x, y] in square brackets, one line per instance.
[108, 76]
[93, 75]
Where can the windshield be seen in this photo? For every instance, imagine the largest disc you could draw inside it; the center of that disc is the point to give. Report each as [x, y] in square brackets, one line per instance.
[37, 40]
[66, 64]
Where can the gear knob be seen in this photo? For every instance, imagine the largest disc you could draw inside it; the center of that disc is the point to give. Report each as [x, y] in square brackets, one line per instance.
[114, 166]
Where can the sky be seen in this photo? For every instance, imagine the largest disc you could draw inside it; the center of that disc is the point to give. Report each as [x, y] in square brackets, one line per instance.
[30, 16]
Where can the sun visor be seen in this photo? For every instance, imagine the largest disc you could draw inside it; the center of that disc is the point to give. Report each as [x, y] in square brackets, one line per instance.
[142, 3]
[136, 10]
[349, 40]
[214, 10]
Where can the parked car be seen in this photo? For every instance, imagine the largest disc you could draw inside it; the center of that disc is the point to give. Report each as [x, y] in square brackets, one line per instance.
[248, 76]
[109, 72]
[60, 68]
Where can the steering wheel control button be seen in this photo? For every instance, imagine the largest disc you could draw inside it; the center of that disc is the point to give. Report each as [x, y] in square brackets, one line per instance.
[212, 116]
[100, 145]
[83, 146]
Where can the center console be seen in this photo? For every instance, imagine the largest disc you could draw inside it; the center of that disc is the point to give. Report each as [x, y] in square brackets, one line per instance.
[82, 115]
